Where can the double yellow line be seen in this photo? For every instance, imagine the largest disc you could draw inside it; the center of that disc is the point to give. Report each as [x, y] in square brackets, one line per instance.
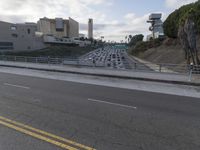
[42, 135]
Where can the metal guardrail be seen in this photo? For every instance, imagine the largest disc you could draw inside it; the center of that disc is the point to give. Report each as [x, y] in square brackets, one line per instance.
[162, 68]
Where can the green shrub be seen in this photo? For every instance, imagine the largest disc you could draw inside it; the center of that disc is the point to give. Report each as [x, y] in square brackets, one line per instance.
[135, 39]
[142, 46]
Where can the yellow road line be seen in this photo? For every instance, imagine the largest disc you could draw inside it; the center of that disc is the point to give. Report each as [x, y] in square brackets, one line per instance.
[47, 134]
[59, 144]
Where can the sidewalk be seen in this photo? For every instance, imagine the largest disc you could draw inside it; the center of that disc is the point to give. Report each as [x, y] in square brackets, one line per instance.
[123, 74]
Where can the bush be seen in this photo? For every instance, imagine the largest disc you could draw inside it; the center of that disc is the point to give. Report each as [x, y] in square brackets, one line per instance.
[53, 51]
[135, 39]
[141, 46]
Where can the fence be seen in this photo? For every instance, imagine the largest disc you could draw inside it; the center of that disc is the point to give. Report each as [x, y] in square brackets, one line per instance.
[162, 68]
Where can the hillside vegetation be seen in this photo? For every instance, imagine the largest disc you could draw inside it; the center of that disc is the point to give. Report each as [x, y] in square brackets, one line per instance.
[142, 46]
[54, 51]
[170, 49]
[172, 22]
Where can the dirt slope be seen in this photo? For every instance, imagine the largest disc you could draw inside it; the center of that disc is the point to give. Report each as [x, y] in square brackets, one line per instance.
[169, 52]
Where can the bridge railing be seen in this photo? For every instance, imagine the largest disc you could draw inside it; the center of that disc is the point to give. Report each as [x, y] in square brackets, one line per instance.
[146, 67]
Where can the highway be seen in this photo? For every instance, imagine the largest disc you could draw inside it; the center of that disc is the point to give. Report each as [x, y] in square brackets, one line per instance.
[45, 114]
[111, 57]
[108, 57]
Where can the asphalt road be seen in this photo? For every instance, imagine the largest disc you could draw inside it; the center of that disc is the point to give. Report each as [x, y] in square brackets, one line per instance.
[99, 117]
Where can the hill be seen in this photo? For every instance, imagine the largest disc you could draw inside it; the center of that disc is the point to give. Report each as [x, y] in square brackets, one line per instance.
[54, 51]
[172, 22]
[170, 51]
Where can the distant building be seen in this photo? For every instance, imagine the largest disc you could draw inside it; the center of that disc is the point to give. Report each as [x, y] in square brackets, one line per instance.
[81, 35]
[59, 27]
[19, 37]
[32, 36]
[156, 26]
[90, 29]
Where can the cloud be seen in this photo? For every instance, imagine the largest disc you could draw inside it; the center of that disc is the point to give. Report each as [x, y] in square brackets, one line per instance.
[129, 16]
[177, 3]
[34, 9]
[80, 10]
[133, 24]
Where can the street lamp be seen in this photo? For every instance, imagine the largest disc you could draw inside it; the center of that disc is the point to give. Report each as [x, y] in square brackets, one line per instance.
[102, 37]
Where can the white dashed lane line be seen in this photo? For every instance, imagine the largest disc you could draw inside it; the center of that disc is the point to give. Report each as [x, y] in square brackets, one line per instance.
[17, 86]
[110, 103]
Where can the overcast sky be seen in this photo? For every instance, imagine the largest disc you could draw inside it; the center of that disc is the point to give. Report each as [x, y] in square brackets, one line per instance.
[113, 18]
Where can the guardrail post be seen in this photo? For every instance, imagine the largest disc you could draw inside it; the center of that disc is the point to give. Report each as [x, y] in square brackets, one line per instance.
[160, 68]
[135, 66]
[77, 61]
[190, 72]
[48, 60]
[62, 61]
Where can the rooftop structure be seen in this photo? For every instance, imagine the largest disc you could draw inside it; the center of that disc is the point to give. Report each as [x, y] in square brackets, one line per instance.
[156, 25]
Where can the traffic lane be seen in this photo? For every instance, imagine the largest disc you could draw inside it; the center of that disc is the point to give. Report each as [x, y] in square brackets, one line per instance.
[124, 124]
[151, 101]
[82, 127]
[13, 140]
[117, 129]
[51, 89]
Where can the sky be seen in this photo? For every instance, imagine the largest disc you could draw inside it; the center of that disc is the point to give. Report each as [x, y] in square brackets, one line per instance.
[113, 19]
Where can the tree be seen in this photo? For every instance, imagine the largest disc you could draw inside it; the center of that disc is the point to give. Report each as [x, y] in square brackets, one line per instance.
[135, 39]
[172, 23]
[129, 38]
[187, 34]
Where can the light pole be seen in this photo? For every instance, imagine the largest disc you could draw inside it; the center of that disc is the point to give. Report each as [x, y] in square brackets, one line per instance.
[102, 37]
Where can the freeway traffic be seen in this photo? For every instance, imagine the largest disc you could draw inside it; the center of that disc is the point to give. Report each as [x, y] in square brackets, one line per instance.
[108, 56]
[38, 113]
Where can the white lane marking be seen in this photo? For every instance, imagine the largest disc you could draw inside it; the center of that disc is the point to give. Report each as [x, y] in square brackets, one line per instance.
[18, 86]
[110, 103]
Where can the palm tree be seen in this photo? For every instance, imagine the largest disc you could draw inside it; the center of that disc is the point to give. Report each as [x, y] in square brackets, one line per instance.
[129, 38]
[126, 37]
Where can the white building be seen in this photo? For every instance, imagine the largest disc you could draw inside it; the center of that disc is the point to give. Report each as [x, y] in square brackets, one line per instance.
[32, 36]
[81, 35]
[90, 29]
[19, 37]
[59, 27]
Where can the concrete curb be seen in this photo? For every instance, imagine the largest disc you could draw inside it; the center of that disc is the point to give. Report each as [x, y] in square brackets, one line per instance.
[106, 75]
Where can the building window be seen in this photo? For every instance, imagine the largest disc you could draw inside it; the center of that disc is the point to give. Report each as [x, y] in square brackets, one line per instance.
[28, 31]
[14, 35]
[13, 28]
[6, 45]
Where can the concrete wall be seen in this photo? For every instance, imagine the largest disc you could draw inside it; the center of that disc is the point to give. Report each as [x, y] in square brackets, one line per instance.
[73, 28]
[59, 33]
[21, 35]
[44, 26]
[48, 26]
[90, 29]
